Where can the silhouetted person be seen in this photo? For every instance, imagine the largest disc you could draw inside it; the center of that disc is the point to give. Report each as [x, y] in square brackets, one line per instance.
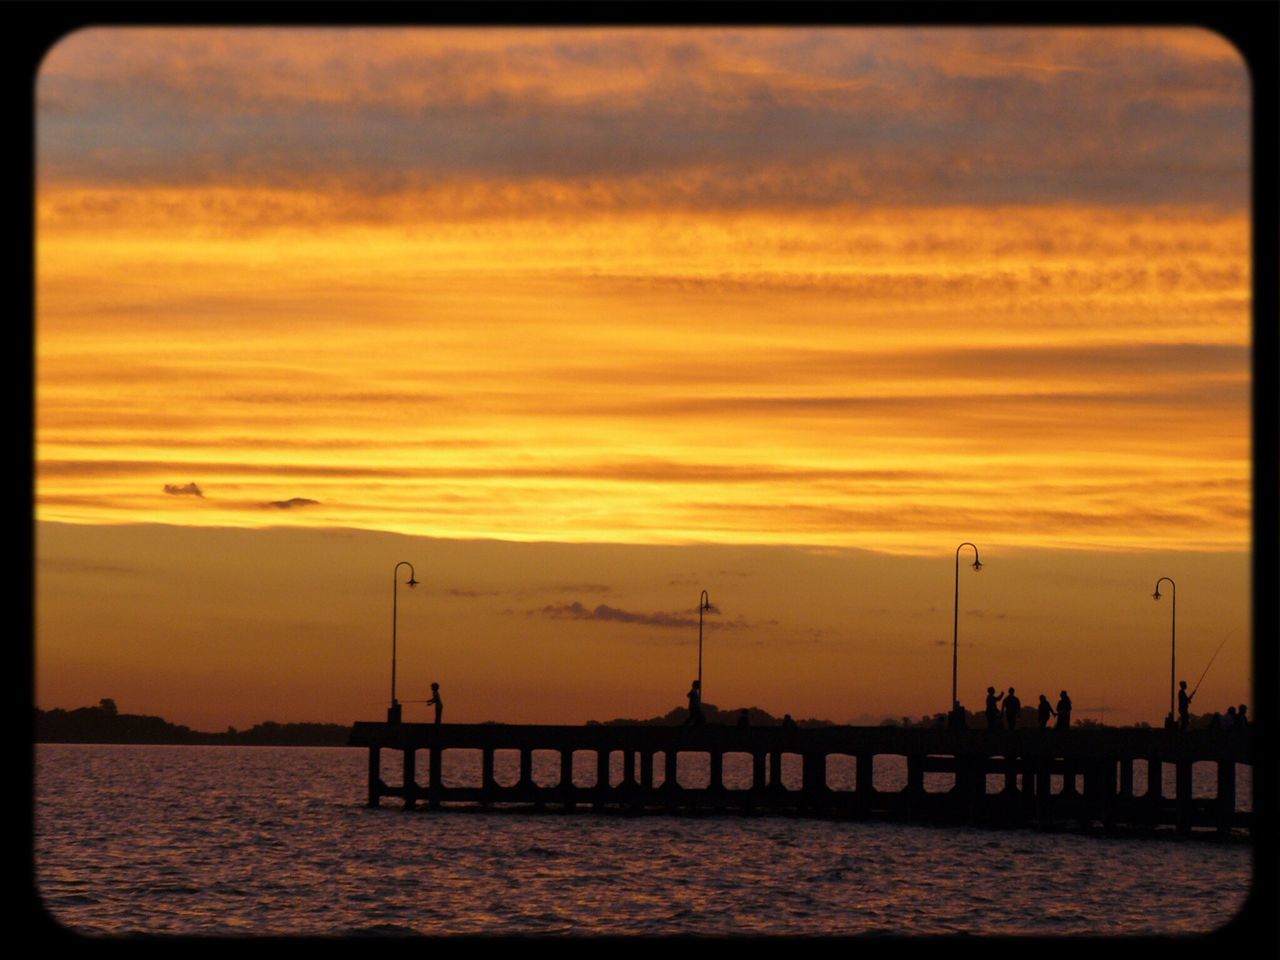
[1064, 711]
[1012, 707]
[436, 699]
[744, 721]
[1045, 711]
[955, 720]
[696, 719]
[1184, 705]
[1230, 721]
[993, 708]
[788, 724]
[1242, 718]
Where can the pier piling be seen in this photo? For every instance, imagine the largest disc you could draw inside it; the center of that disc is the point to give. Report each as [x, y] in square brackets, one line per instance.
[1027, 763]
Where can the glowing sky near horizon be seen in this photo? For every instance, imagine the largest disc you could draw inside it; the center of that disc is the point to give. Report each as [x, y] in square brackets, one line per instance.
[883, 289]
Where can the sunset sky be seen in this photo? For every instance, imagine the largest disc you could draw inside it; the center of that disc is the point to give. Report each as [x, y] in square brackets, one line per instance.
[582, 322]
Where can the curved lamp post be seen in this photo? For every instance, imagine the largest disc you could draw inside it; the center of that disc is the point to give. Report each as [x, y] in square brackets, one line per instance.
[704, 603]
[395, 584]
[955, 622]
[1173, 638]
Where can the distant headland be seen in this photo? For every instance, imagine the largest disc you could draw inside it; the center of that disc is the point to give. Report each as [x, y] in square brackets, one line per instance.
[106, 724]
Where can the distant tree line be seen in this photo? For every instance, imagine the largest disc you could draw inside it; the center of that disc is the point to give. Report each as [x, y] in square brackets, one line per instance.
[106, 724]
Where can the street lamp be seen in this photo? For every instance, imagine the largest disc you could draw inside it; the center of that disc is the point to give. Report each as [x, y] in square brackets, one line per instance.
[393, 712]
[704, 603]
[1173, 637]
[955, 622]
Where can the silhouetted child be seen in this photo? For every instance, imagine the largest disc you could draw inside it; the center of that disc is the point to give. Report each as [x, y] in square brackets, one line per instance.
[1046, 711]
[437, 700]
[1242, 718]
[1184, 705]
[695, 719]
[1064, 711]
[788, 724]
[993, 708]
[1012, 707]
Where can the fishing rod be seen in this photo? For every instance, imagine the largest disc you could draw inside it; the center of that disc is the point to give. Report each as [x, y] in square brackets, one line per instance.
[1211, 659]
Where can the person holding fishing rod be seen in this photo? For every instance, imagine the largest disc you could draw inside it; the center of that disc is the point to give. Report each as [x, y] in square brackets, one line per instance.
[1184, 705]
[1184, 698]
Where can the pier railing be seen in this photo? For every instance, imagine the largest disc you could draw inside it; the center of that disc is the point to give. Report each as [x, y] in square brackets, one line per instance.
[1044, 777]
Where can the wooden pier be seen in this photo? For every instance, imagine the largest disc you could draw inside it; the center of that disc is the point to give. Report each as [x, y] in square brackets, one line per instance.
[1044, 778]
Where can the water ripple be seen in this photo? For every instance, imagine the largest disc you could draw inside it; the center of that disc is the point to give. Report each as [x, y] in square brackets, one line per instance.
[280, 844]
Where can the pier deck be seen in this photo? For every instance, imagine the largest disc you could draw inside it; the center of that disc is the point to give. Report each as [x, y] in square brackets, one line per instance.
[1044, 777]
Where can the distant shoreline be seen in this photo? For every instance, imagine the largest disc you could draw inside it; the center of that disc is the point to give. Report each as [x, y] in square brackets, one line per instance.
[105, 724]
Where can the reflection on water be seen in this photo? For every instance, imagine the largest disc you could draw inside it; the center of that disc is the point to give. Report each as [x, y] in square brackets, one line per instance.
[242, 840]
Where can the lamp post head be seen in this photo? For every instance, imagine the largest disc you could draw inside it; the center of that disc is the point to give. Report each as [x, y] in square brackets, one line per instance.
[1156, 595]
[977, 564]
[412, 582]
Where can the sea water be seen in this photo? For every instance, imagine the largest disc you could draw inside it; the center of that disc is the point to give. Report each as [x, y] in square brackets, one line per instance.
[225, 841]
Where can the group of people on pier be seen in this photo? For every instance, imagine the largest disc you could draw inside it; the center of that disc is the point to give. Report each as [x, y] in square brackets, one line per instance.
[1006, 714]
[1012, 709]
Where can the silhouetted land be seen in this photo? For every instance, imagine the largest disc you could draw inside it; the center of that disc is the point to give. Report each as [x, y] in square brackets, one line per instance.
[104, 724]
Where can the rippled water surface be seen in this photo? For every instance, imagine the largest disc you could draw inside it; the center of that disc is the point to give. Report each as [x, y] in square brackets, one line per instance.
[240, 840]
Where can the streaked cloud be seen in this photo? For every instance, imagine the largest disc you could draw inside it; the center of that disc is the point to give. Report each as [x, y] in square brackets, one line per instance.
[188, 489]
[822, 287]
[725, 118]
[291, 503]
[603, 612]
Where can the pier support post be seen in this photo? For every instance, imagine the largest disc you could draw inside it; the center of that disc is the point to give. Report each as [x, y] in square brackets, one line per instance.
[602, 778]
[566, 787]
[670, 784]
[646, 771]
[757, 772]
[814, 779]
[1226, 801]
[1153, 800]
[775, 772]
[913, 792]
[526, 768]
[1044, 793]
[487, 784]
[410, 786]
[1183, 796]
[974, 802]
[1126, 778]
[375, 776]
[717, 770]
[436, 783]
[864, 785]
[1010, 775]
[1068, 800]
[1027, 768]
[1107, 788]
